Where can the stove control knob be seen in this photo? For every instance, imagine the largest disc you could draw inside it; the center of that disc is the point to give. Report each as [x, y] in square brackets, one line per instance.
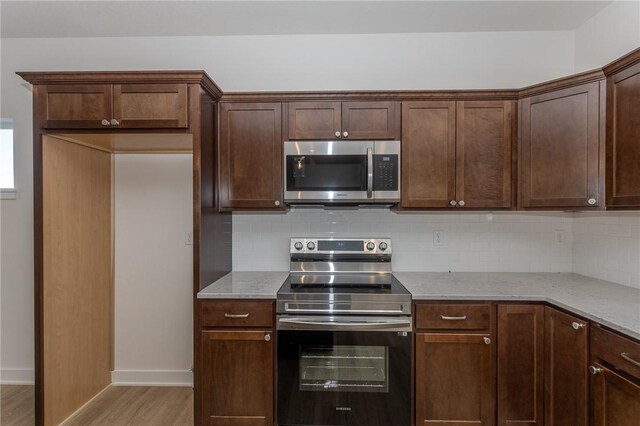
[311, 245]
[371, 246]
[382, 246]
[298, 245]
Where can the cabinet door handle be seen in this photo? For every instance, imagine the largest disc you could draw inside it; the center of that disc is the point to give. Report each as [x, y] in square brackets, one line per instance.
[337, 134]
[446, 318]
[487, 341]
[105, 122]
[228, 315]
[267, 337]
[577, 325]
[591, 201]
[453, 203]
[594, 370]
[345, 134]
[461, 203]
[631, 360]
[277, 203]
[115, 122]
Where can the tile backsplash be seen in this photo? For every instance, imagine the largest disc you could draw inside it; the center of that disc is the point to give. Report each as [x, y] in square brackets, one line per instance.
[607, 246]
[496, 242]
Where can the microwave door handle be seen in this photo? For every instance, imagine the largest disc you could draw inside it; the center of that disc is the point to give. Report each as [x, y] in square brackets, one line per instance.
[369, 173]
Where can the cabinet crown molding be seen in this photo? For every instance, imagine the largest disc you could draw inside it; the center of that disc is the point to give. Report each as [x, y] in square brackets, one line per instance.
[619, 64]
[123, 77]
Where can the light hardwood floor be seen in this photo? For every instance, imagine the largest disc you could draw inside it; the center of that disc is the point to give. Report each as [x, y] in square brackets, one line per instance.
[137, 406]
[16, 405]
[116, 406]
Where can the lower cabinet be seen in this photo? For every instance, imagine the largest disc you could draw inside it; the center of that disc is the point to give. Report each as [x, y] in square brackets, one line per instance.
[615, 399]
[566, 381]
[615, 383]
[236, 363]
[520, 364]
[237, 373]
[454, 379]
[455, 364]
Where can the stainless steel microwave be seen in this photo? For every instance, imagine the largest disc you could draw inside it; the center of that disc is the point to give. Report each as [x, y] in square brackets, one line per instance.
[342, 172]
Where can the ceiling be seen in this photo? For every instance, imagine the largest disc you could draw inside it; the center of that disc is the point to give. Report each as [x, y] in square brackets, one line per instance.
[215, 18]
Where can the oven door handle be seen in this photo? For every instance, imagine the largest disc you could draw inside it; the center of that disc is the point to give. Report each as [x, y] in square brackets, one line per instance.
[369, 173]
[342, 324]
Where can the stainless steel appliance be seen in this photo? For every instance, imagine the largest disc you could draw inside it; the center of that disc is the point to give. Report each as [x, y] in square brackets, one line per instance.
[342, 172]
[344, 335]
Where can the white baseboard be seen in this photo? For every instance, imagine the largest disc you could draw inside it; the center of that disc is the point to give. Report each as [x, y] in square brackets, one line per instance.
[152, 378]
[17, 376]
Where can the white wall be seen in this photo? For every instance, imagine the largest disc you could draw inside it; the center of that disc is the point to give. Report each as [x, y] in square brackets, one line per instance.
[611, 33]
[508, 243]
[16, 236]
[607, 246]
[153, 268]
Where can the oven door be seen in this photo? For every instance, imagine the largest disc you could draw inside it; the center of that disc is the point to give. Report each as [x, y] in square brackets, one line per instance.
[328, 171]
[344, 371]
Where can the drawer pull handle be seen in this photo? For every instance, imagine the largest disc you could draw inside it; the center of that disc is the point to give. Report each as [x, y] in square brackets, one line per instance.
[267, 337]
[487, 341]
[594, 370]
[446, 318]
[631, 360]
[227, 315]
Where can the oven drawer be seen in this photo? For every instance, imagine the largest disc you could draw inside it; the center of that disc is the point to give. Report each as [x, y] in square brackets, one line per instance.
[232, 313]
[438, 316]
[616, 350]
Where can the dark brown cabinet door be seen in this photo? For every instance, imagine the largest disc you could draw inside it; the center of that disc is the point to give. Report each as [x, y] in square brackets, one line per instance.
[428, 154]
[237, 378]
[566, 374]
[75, 106]
[370, 120]
[344, 120]
[454, 379]
[560, 148]
[315, 120]
[144, 106]
[520, 364]
[623, 138]
[615, 399]
[251, 156]
[483, 154]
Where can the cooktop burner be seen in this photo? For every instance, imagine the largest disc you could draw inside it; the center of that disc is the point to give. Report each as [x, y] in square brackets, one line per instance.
[342, 276]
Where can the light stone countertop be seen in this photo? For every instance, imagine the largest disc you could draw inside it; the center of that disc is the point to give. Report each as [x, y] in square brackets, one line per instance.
[609, 304]
[613, 305]
[245, 285]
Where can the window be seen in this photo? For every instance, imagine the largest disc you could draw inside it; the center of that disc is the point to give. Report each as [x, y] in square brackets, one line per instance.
[7, 186]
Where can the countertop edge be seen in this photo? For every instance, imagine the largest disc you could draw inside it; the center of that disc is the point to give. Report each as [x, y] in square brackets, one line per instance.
[271, 294]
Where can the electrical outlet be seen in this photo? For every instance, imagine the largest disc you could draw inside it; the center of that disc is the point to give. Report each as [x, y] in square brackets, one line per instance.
[438, 238]
[560, 236]
[188, 240]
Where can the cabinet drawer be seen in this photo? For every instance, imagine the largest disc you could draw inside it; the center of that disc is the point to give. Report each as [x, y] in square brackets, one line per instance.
[453, 316]
[616, 350]
[230, 313]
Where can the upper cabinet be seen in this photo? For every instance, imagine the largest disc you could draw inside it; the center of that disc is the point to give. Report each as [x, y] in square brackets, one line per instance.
[456, 154]
[114, 106]
[250, 156]
[562, 148]
[623, 138]
[367, 120]
[428, 154]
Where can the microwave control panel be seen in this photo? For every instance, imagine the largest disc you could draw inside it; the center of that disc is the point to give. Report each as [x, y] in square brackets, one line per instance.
[385, 172]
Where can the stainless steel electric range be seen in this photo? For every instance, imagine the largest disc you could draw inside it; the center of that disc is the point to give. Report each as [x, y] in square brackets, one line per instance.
[344, 334]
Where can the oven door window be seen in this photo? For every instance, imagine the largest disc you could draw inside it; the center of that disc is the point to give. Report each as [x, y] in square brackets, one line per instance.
[326, 172]
[344, 368]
